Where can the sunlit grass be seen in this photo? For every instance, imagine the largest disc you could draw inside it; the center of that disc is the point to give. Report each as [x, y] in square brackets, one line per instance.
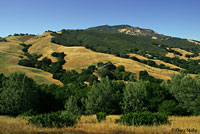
[90, 125]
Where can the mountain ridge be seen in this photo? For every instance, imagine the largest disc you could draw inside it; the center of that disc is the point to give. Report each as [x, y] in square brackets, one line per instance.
[90, 46]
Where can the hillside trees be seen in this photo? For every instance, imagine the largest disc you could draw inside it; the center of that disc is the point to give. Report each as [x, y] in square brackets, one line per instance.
[186, 90]
[135, 97]
[18, 94]
[105, 97]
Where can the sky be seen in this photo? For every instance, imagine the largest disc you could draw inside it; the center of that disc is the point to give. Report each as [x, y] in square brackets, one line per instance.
[177, 18]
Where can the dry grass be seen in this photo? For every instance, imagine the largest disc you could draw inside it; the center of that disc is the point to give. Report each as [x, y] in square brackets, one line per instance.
[183, 52]
[197, 43]
[9, 57]
[79, 57]
[89, 125]
[156, 61]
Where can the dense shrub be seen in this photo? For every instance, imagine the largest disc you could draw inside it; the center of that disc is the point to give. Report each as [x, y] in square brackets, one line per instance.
[57, 119]
[101, 116]
[143, 118]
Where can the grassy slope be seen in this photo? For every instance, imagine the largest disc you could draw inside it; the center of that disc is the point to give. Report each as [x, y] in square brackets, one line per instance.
[156, 61]
[89, 125]
[183, 52]
[80, 57]
[9, 57]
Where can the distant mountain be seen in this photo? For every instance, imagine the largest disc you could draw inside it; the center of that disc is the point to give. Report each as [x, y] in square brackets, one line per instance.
[135, 48]
[167, 41]
[130, 30]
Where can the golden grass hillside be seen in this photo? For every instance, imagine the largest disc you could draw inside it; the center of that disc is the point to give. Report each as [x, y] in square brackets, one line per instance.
[89, 125]
[183, 52]
[80, 57]
[156, 61]
[9, 57]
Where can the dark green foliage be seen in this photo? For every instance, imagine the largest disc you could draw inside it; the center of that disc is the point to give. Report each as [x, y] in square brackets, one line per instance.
[156, 95]
[106, 42]
[92, 79]
[115, 73]
[143, 118]
[106, 73]
[18, 94]
[2, 78]
[143, 75]
[144, 96]
[135, 97]
[120, 68]
[56, 119]
[152, 63]
[26, 47]
[71, 106]
[104, 96]
[101, 116]
[59, 55]
[170, 107]
[181, 43]
[100, 64]
[186, 90]
[3, 40]
[29, 113]
[191, 66]
[26, 62]
[22, 34]
[48, 101]
[59, 119]
[135, 58]
[91, 69]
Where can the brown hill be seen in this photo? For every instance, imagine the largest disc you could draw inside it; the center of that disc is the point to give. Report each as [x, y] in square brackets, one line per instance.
[79, 57]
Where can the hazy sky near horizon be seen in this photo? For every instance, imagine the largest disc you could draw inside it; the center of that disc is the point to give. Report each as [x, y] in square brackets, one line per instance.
[178, 18]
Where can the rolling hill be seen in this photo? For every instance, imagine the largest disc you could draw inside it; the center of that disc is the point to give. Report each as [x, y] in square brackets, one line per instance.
[118, 44]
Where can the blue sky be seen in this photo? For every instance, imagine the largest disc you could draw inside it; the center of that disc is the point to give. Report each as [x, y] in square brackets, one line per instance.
[179, 18]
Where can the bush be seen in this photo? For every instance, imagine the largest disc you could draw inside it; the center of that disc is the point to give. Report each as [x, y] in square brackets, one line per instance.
[101, 116]
[56, 119]
[143, 118]
[29, 113]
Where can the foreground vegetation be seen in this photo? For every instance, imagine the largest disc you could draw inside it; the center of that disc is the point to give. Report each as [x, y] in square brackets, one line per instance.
[90, 125]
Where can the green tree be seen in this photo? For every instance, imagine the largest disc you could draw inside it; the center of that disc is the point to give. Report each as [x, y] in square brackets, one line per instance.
[71, 106]
[105, 97]
[18, 94]
[135, 97]
[186, 91]
[2, 78]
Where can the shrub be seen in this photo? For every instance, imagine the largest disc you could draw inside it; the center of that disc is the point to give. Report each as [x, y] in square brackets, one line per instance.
[101, 116]
[29, 113]
[143, 118]
[56, 119]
